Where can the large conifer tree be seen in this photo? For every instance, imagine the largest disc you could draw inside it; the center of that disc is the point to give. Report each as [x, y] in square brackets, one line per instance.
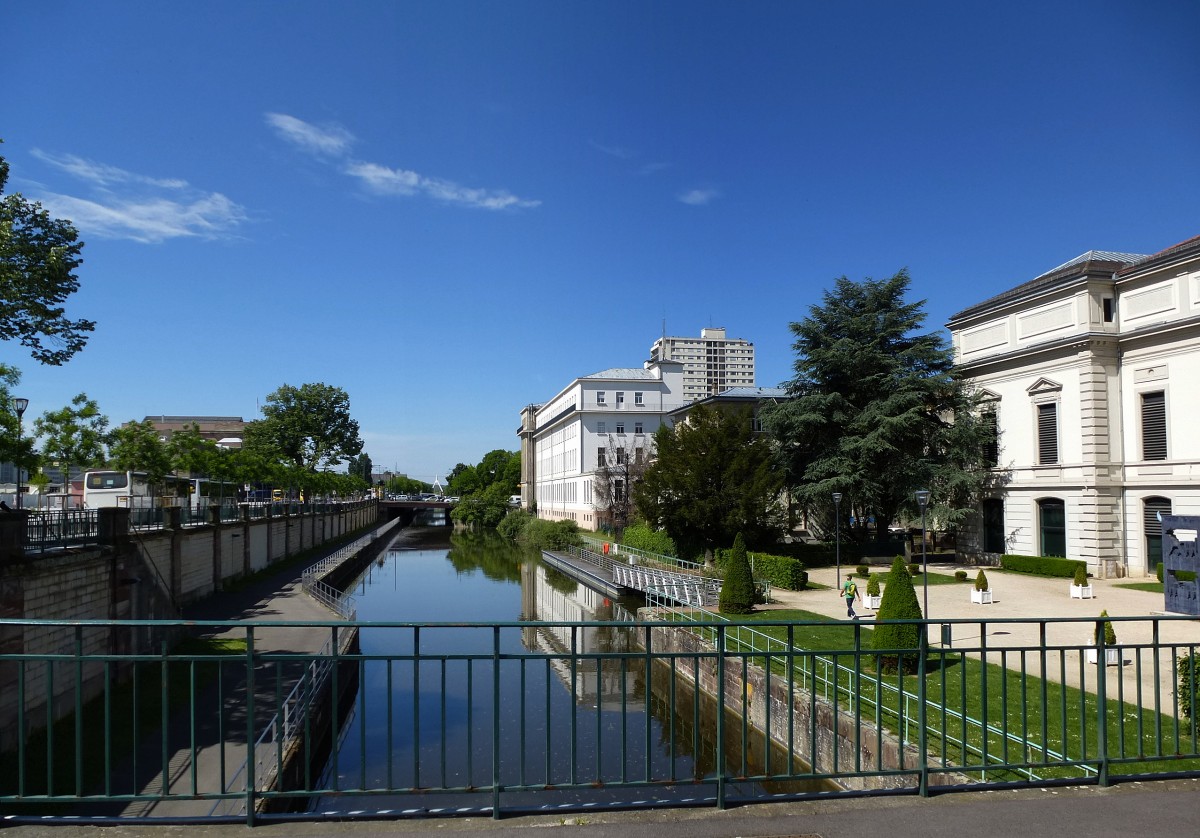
[877, 410]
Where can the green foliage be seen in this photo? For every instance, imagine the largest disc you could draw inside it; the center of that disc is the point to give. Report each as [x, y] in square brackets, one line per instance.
[873, 585]
[486, 509]
[1053, 567]
[1080, 576]
[552, 535]
[780, 571]
[867, 416]
[514, 523]
[137, 446]
[642, 537]
[737, 591]
[1189, 674]
[38, 259]
[1110, 634]
[913, 569]
[361, 466]
[308, 426]
[713, 478]
[76, 435]
[981, 580]
[401, 485]
[863, 571]
[899, 603]
[960, 575]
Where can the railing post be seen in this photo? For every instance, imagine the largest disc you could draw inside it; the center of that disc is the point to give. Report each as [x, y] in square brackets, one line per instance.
[496, 723]
[251, 779]
[1101, 705]
[923, 710]
[720, 756]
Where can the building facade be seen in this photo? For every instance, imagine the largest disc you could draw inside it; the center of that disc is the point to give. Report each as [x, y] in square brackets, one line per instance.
[1091, 373]
[711, 363]
[610, 414]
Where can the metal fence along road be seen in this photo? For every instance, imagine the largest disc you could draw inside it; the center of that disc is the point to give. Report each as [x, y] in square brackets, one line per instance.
[509, 722]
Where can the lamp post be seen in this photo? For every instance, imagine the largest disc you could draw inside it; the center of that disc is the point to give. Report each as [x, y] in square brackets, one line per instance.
[923, 501]
[837, 528]
[20, 406]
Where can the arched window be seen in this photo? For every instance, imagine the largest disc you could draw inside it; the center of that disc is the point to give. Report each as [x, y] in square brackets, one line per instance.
[1152, 508]
[1052, 521]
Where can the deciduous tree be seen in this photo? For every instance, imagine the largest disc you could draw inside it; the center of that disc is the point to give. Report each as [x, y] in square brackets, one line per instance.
[625, 462]
[712, 478]
[38, 258]
[76, 435]
[309, 427]
[137, 446]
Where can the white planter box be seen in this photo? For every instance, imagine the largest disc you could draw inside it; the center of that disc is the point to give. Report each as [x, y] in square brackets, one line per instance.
[1112, 656]
[981, 597]
[872, 602]
[1082, 592]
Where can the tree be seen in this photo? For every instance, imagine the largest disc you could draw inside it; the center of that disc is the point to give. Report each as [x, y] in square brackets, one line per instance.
[877, 410]
[15, 447]
[737, 590]
[362, 467]
[899, 602]
[712, 478]
[615, 478]
[76, 435]
[190, 452]
[38, 258]
[137, 446]
[308, 426]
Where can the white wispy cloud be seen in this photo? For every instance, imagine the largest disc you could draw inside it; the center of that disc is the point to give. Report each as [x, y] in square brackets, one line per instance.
[334, 141]
[149, 220]
[651, 168]
[620, 152]
[102, 174]
[318, 139]
[699, 197]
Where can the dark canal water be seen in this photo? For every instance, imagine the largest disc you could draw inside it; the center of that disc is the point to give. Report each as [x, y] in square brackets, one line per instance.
[573, 727]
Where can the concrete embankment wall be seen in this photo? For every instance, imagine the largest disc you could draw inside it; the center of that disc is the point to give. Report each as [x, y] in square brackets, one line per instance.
[835, 731]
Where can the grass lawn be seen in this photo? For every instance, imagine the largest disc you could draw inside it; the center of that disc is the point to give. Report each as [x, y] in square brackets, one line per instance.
[1031, 721]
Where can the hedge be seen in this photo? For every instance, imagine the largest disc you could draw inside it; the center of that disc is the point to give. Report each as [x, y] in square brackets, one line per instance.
[1042, 566]
[1180, 575]
[642, 537]
[780, 571]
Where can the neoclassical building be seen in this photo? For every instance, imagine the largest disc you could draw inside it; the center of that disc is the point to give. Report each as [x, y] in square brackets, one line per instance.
[1092, 374]
[610, 414]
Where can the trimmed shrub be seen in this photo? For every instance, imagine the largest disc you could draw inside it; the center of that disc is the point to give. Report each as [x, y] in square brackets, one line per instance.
[551, 535]
[1080, 580]
[873, 585]
[642, 537]
[914, 569]
[1180, 575]
[981, 582]
[514, 523]
[780, 571]
[1051, 566]
[901, 642]
[1110, 634]
[960, 575]
[737, 591]
[863, 571]
[1189, 674]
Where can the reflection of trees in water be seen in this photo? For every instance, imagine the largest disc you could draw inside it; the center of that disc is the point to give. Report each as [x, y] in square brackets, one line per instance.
[498, 558]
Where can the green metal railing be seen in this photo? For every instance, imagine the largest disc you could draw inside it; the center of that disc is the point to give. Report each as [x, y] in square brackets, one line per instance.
[497, 717]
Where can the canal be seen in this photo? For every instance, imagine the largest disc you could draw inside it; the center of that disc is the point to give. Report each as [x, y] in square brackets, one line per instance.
[561, 714]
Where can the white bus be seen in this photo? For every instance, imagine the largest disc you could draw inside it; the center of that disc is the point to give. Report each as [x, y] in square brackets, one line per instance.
[131, 489]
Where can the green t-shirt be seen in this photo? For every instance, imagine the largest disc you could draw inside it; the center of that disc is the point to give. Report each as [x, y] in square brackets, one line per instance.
[849, 590]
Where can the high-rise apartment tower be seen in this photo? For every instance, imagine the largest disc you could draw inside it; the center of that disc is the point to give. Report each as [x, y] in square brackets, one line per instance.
[712, 363]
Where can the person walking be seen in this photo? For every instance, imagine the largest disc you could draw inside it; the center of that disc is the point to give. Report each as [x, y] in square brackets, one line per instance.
[850, 592]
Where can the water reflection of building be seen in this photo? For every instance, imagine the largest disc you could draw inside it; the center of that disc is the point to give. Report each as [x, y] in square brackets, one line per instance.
[549, 596]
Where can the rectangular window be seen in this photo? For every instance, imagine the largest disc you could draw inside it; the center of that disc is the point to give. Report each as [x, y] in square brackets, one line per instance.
[1048, 434]
[618, 490]
[620, 456]
[601, 427]
[637, 398]
[599, 397]
[991, 443]
[637, 427]
[993, 525]
[620, 400]
[600, 457]
[1053, 515]
[620, 427]
[637, 455]
[1154, 426]
[1107, 303]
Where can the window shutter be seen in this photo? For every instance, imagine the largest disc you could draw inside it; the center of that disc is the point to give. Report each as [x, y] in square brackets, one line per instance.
[1154, 426]
[1151, 507]
[1048, 434]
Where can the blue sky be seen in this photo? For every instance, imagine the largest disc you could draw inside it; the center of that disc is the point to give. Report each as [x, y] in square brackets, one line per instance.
[451, 209]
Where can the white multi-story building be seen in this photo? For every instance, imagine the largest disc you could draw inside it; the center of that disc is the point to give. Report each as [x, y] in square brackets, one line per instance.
[1093, 374]
[563, 439]
[712, 363]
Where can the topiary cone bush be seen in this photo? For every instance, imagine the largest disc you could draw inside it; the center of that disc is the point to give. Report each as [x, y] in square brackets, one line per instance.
[899, 603]
[873, 585]
[737, 591]
[1110, 634]
[1080, 577]
[981, 582]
